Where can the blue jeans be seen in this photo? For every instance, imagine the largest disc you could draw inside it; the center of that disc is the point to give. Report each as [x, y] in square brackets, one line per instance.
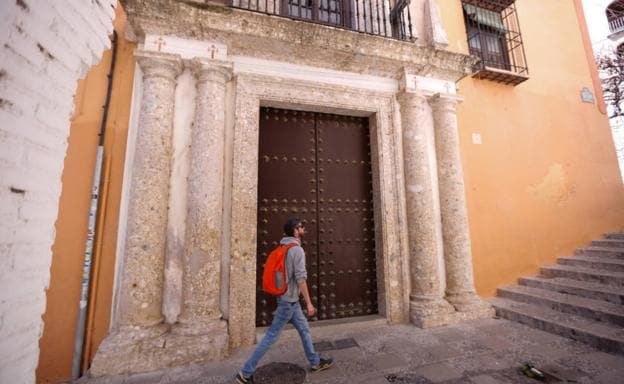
[286, 312]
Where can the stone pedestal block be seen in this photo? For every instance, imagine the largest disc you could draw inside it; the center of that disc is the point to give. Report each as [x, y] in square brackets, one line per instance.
[121, 354]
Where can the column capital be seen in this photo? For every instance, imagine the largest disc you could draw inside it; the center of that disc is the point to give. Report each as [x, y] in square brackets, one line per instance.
[411, 99]
[217, 71]
[159, 64]
[446, 102]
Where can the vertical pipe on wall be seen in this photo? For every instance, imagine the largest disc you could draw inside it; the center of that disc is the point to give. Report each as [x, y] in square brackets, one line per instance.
[93, 211]
[87, 353]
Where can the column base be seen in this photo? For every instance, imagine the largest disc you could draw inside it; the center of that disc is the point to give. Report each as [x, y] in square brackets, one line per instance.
[199, 327]
[470, 306]
[120, 353]
[428, 313]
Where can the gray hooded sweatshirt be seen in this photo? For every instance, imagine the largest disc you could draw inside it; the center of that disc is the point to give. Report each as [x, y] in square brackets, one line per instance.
[295, 269]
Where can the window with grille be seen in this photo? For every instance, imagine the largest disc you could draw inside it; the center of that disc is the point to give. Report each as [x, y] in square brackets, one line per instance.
[493, 33]
[388, 18]
[324, 11]
[615, 16]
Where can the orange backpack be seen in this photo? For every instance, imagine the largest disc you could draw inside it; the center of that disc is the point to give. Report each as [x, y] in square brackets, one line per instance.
[274, 275]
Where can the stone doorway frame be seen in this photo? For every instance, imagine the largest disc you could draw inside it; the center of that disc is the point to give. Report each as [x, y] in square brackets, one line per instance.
[253, 91]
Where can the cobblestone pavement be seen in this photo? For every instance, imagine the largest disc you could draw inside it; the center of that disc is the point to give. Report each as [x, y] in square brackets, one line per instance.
[372, 352]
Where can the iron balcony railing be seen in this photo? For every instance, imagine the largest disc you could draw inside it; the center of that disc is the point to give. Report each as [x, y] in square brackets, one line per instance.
[496, 51]
[616, 25]
[494, 36]
[388, 18]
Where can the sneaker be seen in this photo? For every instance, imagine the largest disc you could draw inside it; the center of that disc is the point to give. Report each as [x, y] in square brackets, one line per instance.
[323, 364]
[243, 380]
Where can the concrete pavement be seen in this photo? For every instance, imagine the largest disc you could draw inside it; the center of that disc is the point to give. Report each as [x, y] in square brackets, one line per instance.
[371, 352]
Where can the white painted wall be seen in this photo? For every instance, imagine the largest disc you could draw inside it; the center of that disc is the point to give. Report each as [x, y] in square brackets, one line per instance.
[598, 32]
[597, 23]
[46, 46]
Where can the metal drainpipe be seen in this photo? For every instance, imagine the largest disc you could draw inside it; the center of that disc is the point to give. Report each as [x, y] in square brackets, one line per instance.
[93, 211]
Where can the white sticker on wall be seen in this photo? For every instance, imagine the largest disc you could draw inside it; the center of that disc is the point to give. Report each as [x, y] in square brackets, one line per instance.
[476, 138]
[587, 96]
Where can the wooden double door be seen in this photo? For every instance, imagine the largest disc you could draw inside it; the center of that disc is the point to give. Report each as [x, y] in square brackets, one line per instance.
[317, 167]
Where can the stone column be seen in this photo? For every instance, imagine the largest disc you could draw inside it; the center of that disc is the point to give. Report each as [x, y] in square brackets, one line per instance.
[204, 228]
[142, 276]
[427, 305]
[460, 289]
[138, 339]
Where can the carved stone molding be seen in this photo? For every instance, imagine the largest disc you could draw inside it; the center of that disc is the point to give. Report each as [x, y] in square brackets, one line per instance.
[281, 39]
[253, 91]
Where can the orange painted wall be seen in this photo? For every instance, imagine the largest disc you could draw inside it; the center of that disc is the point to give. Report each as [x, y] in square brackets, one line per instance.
[56, 343]
[545, 179]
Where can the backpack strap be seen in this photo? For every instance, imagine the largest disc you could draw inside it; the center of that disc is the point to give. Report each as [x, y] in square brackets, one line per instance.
[288, 246]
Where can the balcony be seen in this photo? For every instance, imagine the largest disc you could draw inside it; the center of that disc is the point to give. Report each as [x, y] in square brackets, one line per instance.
[387, 18]
[615, 17]
[502, 57]
[494, 36]
[616, 25]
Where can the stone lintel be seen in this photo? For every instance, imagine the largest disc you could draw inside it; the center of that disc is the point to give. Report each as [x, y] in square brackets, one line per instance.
[186, 48]
[437, 91]
[281, 39]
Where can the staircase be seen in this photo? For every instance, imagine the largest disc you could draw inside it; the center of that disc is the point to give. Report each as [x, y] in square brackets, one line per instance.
[581, 297]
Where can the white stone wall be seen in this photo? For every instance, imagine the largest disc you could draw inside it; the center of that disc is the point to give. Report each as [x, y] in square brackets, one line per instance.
[599, 32]
[46, 46]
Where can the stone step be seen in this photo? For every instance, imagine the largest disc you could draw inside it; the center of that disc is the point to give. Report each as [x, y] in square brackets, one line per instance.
[610, 252]
[580, 306]
[614, 279]
[614, 235]
[603, 336]
[593, 262]
[608, 243]
[586, 289]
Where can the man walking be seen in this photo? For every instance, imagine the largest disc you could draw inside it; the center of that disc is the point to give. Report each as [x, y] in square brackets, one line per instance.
[288, 307]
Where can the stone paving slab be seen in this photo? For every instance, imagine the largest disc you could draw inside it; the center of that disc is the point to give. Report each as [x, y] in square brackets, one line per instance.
[486, 379]
[440, 372]
[480, 352]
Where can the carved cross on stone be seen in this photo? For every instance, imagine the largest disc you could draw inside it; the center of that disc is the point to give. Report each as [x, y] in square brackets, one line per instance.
[160, 42]
[213, 50]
